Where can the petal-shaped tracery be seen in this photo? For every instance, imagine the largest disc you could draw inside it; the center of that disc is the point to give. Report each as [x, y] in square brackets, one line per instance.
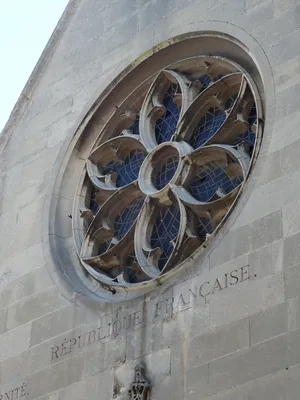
[212, 173]
[167, 100]
[116, 163]
[109, 238]
[209, 111]
[166, 170]
[159, 233]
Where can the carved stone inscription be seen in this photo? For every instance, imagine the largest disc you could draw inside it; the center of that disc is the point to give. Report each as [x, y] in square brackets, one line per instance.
[110, 329]
[15, 393]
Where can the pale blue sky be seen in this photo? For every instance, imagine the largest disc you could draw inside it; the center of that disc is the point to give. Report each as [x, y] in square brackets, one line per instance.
[25, 27]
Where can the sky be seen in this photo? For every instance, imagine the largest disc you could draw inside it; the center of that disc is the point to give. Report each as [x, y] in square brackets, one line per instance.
[25, 28]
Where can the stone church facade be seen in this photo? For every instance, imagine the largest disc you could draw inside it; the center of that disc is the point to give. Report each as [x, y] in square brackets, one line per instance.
[149, 210]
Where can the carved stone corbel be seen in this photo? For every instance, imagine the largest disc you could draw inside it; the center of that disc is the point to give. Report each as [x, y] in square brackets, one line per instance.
[140, 387]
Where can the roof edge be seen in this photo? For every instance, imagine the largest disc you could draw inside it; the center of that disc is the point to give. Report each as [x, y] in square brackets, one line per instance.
[43, 61]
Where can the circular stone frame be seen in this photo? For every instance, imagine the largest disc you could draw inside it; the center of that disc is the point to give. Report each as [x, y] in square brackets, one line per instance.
[76, 283]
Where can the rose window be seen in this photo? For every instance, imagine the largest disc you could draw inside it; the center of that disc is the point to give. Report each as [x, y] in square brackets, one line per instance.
[165, 170]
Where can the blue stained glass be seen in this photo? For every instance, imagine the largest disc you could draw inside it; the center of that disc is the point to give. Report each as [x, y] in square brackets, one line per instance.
[230, 102]
[166, 173]
[166, 125]
[126, 218]
[207, 127]
[165, 230]
[128, 171]
[135, 127]
[210, 177]
[206, 80]
[248, 137]
[204, 227]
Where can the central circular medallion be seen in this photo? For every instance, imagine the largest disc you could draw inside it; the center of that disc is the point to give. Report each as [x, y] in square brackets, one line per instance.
[162, 168]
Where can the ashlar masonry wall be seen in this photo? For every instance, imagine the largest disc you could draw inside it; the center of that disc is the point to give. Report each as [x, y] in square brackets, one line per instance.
[226, 328]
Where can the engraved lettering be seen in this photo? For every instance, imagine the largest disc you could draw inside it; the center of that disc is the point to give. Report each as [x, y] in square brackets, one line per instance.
[235, 277]
[81, 343]
[7, 395]
[217, 286]
[158, 309]
[201, 290]
[92, 337]
[169, 305]
[54, 351]
[226, 281]
[137, 320]
[100, 337]
[181, 301]
[72, 342]
[128, 319]
[193, 293]
[23, 390]
[64, 349]
[117, 326]
[245, 273]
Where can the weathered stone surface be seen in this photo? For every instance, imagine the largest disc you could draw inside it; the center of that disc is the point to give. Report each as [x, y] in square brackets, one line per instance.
[216, 342]
[269, 323]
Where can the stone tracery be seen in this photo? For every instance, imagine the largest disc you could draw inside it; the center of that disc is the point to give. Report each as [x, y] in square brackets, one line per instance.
[166, 170]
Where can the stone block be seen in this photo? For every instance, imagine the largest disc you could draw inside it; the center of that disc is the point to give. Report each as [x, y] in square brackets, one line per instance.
[247, 238]
[197, 382]
[151, 12]
[217, 343]
[169, 388]
[282, 51]
[185, 324]
[12, 181]
[292, 281]
[293, 352]
[269, 198]
[281, 6]
[52, 324]
[158, 365]
[86, 389]
[15, 341]
[41, 120]
[249, 4]
[36, 166]
[33, 307]
[293, 307]
[266, 260]
[3, 316]
[241, 301]
[287, 74]
[291, 219]
[266, 230]
[263, 359]
[289, 124]
[55, 377]
[14, 368]
[291, 250]
[105, 357]
[257, 14]
[268, 323]
[234, 244]
[35, 144]
[25, 286]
